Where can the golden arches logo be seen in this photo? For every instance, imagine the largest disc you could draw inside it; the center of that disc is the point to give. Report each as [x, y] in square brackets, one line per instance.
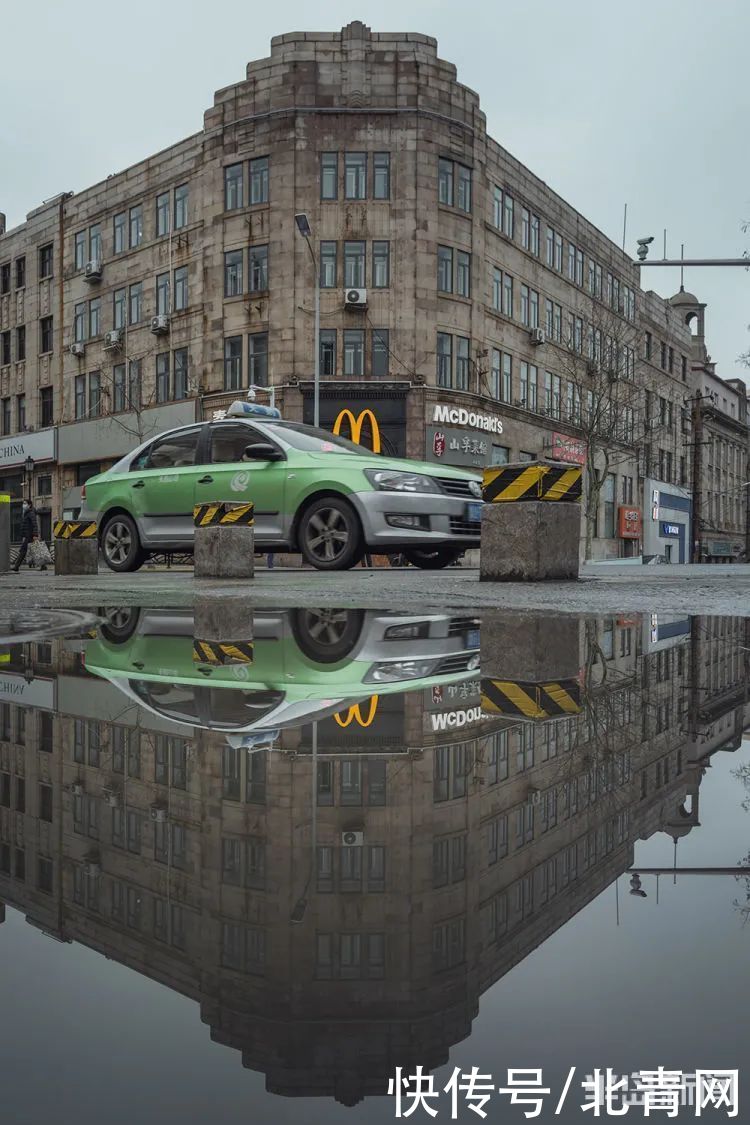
[355, 425]
[356, 713]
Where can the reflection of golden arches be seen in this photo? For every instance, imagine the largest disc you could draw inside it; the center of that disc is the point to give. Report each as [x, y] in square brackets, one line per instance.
[355, 713]
[356, 426]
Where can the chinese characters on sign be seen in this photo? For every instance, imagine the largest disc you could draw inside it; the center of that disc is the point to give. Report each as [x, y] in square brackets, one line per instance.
[605, 1093]
[629, 523]
[566, 448]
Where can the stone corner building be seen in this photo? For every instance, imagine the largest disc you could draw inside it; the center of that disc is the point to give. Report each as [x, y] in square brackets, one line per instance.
[462, 301]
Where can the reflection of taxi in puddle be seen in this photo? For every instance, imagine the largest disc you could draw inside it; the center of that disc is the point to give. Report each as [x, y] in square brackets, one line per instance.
[303, 664]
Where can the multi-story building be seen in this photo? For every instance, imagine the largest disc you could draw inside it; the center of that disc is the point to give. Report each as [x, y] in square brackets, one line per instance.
[336, 917]
[477, 314]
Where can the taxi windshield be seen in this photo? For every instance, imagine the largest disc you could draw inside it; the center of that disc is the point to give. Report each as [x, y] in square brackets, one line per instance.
[310, 439]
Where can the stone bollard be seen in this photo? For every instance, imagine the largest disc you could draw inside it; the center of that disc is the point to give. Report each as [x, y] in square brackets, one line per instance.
[76, 547]
[4, 532]
[531, 665]
[531, 522]
[223, 630]
[224, 540]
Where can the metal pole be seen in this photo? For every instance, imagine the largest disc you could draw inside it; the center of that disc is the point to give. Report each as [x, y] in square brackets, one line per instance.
[744, 262]
[697, 513]
[314, 823]
[316, 406]
[4, 532]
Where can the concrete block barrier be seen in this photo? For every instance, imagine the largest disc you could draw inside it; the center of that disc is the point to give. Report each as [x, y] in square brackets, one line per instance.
[76, 547]
[224, 540]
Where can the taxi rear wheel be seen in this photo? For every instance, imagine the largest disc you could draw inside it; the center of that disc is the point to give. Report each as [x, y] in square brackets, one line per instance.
[330, 534]
[121, 545]
[433, 559]
[327, 635]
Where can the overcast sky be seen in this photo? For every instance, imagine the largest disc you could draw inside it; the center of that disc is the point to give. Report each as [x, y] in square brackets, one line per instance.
[645, 103]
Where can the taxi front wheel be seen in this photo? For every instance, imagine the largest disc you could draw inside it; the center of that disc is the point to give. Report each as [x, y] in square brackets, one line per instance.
[330, 534]
[121, 545]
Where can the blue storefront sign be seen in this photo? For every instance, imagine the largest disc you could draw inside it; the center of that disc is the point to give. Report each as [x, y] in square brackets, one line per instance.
[672, 530]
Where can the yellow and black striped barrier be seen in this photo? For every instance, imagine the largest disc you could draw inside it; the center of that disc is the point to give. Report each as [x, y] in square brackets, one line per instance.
[526, 700]
[75, 529]
[538, 480]
[222, 652]
[226, 514]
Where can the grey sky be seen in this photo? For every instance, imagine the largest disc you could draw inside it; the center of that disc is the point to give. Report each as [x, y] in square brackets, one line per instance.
[644, 102]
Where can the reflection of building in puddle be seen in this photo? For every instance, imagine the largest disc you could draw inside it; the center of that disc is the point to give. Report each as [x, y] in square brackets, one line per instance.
[446, 844]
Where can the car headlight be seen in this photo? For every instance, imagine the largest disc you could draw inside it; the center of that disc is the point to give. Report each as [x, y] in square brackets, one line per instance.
[391, 480]
[391, 673]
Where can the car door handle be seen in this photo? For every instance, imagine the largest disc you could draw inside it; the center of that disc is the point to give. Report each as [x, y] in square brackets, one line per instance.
[207, 479]
[139, 484]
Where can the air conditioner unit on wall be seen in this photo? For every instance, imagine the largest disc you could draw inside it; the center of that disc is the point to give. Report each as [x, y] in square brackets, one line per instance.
[159, 813]
[355, 298]
[113, 339]
[78, 349]
[533, 796]
[93, 270]
[78, 789]
[160, 324]
[352, 839]
[536, 335]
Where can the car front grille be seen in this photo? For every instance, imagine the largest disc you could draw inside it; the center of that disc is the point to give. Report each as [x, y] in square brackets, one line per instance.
[464, 527]
[461, 662]
[460, 625]
[457, 487]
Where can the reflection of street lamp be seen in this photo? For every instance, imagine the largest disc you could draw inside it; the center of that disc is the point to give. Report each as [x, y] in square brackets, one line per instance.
[303, 226]
[29, 466]
[635, 886]
[300, 906]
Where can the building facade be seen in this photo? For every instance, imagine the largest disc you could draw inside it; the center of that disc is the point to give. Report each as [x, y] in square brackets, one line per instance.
[478, 316]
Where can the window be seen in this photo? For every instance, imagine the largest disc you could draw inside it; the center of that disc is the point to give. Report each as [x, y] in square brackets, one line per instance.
[80, 250]
[95, 317]
[355, 175]
[80, 396]
[663, 361]
[234, 187]
[448, 944]
[329, 264]
[463, 188]
[46, 260]
[524, 825]
[508, 220]
[534, 308]
[136, 302]
[534, 241]
[233, 261]
[119, 302]
[180, 206]
[45, 334]
[258, 269]
[354, 345]
[525, 228]
[683, 368]
[46, 407]
[381, 175]
[462, 363]
[445, 181]
[20, 343]
[381, 268]
[6, 416]
[354, 265]
[162, 293]
[45, 875]
[162, 214]
[181, 288]
[119, 235]
[20, 413]
[5, 352]
[525, 305]
[507, 295]
[181, 373]
[232, 363]
[379, 364]
[329, 175]
[444, 359]
[162, 377]
[95, 394]
[445, 269]
[257, 358]
[528, 386]
[448, 860]
[136, 226]
[45, 803]
[118, 387]
[463, 273]
[259, 180]
[497, 288]
[5, 278]
[609, 506]
[327, 352]
[95, 243]
[497, 839]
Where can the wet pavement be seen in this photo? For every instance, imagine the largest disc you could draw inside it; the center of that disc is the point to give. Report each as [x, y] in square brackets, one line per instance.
[257, 861]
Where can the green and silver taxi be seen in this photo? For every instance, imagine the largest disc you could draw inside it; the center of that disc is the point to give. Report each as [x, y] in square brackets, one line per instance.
[314, 492]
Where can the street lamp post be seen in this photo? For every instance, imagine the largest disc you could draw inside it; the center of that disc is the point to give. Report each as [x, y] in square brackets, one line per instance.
[29, 466]
[303, 226]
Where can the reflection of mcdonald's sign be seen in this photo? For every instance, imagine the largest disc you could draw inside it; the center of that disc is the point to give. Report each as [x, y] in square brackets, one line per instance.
[355, 713]
[355, 425]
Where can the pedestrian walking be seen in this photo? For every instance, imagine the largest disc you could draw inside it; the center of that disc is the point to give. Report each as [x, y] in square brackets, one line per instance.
[29, 534]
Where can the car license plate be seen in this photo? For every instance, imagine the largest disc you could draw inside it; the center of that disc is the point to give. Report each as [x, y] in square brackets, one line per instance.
[474, 512]
[472, 638]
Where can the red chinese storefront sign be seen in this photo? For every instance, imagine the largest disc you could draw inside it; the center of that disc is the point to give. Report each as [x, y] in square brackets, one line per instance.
[566, 448]
[629, 523]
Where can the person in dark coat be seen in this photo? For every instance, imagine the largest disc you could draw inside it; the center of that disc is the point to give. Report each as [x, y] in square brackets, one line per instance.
[29, 532]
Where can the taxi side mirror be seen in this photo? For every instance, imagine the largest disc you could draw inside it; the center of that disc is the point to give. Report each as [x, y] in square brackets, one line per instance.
[263, 451]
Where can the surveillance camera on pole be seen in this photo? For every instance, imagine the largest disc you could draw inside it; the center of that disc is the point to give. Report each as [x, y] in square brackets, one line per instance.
[643, 245]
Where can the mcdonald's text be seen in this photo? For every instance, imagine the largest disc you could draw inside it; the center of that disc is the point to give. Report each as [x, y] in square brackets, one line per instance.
[459, 416]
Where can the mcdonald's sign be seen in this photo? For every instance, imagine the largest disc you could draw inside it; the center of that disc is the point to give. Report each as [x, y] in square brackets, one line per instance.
[356, 424]
[356, 713]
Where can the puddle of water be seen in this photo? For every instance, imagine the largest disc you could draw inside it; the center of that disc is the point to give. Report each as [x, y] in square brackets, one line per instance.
[253, 861]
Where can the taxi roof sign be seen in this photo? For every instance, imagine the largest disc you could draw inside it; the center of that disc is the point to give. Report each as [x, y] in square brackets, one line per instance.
[252, 410]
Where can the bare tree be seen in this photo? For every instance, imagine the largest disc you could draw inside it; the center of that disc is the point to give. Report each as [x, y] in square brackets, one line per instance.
[604, 387]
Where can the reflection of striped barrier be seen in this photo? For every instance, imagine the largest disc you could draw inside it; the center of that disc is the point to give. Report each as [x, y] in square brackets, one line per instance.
[527, 700]
[537, 481]
[218, 514]
[75, 529]
[224, 652]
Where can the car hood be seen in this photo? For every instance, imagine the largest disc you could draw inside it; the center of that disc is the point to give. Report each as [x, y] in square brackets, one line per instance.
[395, 464]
